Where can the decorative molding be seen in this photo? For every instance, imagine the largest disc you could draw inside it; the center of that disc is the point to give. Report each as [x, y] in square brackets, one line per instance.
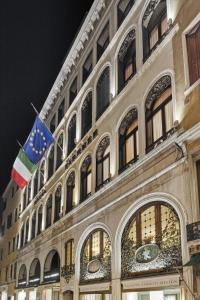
[87, 161]
[159, 87]
[105, 142]
[71, 179]
[149, 11]
[128, 119]
[78, 45]
[126, 43]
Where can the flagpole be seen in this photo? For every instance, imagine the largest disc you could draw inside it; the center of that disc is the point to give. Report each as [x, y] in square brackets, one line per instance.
[35, 110]
[20, 145]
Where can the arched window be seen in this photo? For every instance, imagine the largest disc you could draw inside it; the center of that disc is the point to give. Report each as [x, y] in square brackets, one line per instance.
[86, 178]
[42, 171]
[159, 113]
[128, 140]
[57, 210]
[72, 135]
[26, 231]
[52, 267]
[59, 151]
[34, 273]
[33, 225]
[126, 60]
[103, 162]
[151, 241]
[22, 277]
[123, 8]
[35, 184]
[22, 237]
[49, 212]
[70, 201]
[86, 115]
[40, 213]
[154, 25]
[51, 163]
[103, 92]
[96, 257]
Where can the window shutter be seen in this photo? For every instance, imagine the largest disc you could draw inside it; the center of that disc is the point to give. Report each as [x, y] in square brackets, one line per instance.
[192, 58]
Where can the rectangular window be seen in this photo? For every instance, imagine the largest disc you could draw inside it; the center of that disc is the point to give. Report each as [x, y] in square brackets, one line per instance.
[168, 116]
[69, 253]
[96, 243]
[16, 216]
[103, 41]
[157, 125]
[9, 221]
[13, 244]
[193, 51]
[1, 254]
[73, 91]
[106, 168]
[129, 149]
[61, 111]
[53, 124]
[89, 183]
[87, 67]
[198, 179]
[123, 9]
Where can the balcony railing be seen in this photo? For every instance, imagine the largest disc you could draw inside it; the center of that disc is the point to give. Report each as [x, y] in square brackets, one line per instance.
[193, 231]
[67, 272]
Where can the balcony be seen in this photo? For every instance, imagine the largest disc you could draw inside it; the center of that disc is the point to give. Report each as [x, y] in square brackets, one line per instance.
[193, 231]
[67, 272]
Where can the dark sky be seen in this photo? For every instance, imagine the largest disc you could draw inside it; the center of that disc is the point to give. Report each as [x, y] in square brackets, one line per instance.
[34, 39]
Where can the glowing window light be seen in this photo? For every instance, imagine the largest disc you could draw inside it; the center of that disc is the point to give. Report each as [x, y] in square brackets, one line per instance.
[51, 275]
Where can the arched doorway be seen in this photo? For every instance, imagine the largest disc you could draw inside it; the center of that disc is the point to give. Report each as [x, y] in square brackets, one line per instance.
[52, 267]
[34, 273]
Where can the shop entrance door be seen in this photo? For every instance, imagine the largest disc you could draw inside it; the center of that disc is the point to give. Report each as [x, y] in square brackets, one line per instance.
[68, 295]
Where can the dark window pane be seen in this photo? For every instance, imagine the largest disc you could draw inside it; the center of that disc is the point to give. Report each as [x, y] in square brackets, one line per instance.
[61, 111]
[87, 67]
[86, 114]
[72, 134]
[73, 91]
[53, 124]
[123, 9]
[103, 92]
[103, 41]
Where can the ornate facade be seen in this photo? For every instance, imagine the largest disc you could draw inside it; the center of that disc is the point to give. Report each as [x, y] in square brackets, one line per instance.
[113, 210]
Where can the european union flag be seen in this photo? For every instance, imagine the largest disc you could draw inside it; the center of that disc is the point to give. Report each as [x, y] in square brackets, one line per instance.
[38, 141]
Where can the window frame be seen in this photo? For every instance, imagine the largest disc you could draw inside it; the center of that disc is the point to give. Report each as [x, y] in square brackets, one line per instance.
[71, 264]
[188, 87]
[101, 49]
[125, 13]
[161, 108]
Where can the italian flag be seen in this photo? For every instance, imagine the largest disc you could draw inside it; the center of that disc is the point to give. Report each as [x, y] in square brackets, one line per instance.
[22, 170]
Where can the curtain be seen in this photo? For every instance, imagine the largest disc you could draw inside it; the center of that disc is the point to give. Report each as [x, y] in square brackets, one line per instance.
[157, 126]
[106, 169]
[153, 39]
[168, 116]
[129, 149]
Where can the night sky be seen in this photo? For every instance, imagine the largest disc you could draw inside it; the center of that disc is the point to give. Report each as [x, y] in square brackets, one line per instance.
[34, 39]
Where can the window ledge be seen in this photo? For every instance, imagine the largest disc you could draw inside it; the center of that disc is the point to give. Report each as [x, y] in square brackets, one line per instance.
[191, 88]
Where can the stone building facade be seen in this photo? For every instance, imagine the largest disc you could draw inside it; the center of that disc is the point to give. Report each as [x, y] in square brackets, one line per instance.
[112, 211]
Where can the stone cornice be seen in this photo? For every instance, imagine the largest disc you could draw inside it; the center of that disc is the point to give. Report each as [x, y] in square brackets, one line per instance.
[73, 55]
